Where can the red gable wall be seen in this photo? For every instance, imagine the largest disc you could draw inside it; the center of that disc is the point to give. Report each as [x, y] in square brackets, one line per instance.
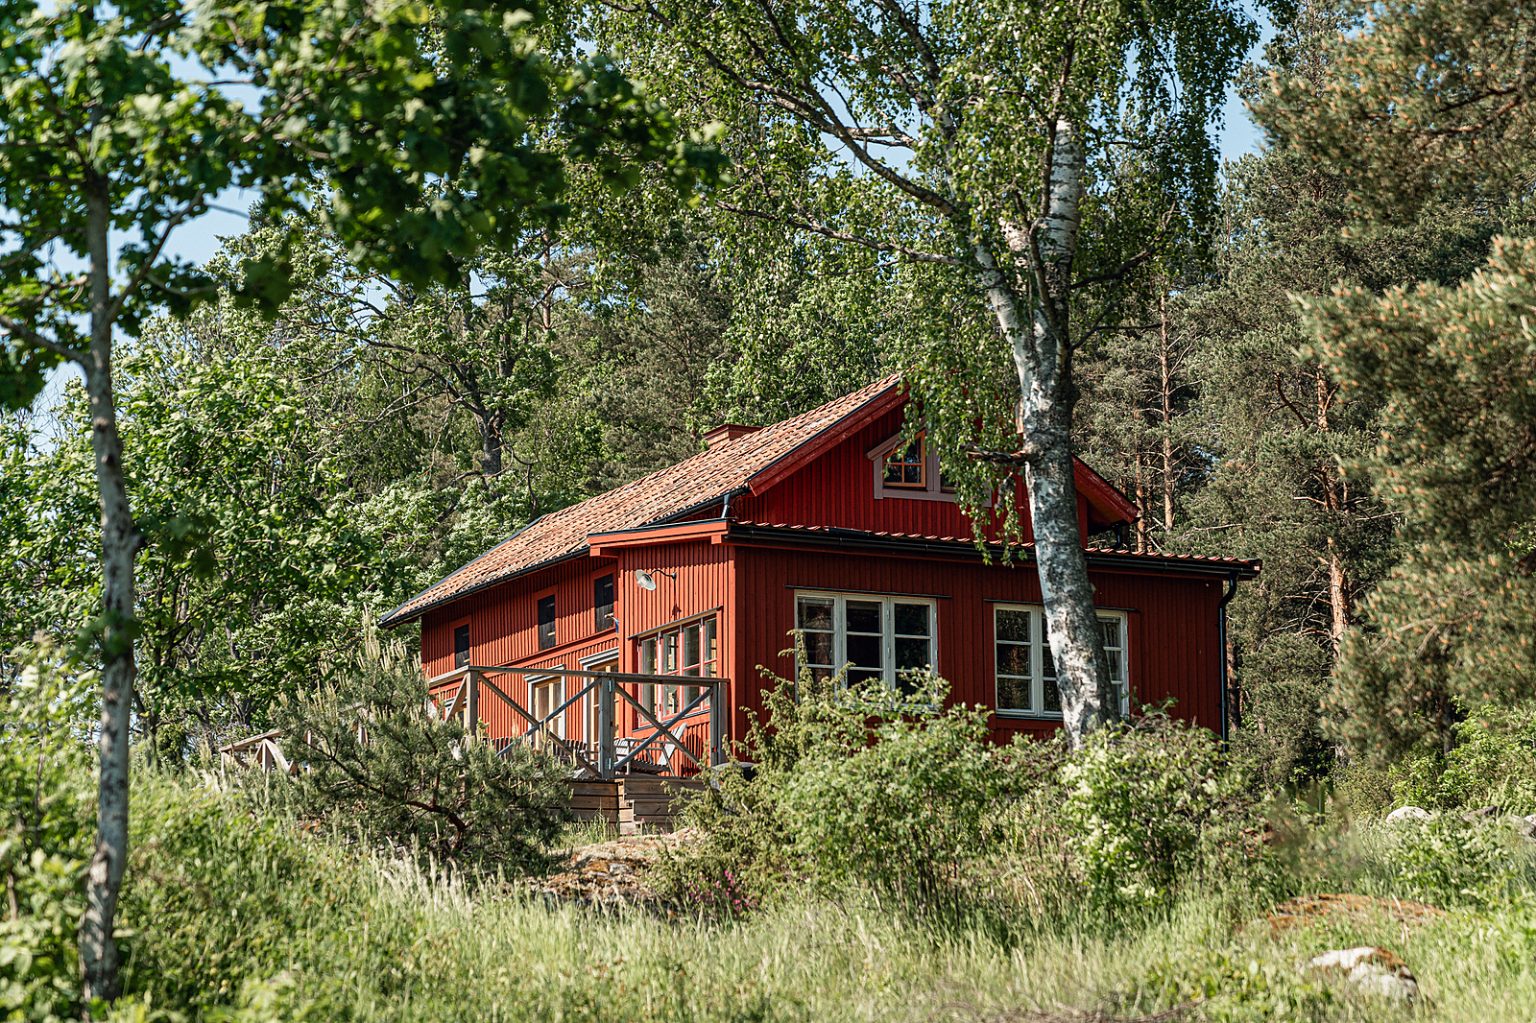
[837, 489]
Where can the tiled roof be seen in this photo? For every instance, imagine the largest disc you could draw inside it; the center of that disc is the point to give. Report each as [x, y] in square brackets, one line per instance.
[724, 468]
[1243, 565]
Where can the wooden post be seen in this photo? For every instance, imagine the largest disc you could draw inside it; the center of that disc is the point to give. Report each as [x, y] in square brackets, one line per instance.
[472, 705]
[716, 725]
[605, 728]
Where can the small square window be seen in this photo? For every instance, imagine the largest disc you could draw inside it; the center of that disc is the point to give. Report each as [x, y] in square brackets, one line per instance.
[908, 466]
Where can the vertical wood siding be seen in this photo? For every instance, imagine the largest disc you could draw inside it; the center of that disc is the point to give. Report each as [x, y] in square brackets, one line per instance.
[503, 626]
[1172, 622]
[837, 489]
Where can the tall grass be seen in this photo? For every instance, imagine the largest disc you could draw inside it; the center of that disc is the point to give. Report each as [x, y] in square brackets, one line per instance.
[239, 916]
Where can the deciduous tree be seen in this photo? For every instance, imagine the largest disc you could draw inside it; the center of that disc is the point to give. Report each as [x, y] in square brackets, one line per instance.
[975, 147]
[121, 122]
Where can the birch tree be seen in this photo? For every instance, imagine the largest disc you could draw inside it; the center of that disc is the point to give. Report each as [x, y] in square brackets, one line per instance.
[979, 147]
[121, 122]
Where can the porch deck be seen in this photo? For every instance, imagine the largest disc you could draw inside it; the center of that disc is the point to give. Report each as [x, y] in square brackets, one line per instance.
[664, 726]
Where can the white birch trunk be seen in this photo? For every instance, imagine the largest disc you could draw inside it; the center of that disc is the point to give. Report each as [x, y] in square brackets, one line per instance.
[120, 542]
[1042, 358]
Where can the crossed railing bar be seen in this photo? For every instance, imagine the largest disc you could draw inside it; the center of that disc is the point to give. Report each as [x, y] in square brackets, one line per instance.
[608, 688]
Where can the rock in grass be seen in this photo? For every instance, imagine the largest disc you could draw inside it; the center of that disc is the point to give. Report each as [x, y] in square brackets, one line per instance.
[1408, 813]
[1372, 970]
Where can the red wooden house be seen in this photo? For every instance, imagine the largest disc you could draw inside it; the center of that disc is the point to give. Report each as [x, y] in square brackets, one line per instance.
[633, 628]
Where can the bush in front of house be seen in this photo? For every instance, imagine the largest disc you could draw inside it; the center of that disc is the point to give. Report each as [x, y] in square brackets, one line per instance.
[1151, 807]
[900, 795]
[375, 765]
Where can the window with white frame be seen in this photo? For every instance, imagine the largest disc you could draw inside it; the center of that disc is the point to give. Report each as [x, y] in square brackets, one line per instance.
[687, 649]
[1025, 673]
[874, 637]
[909, 468]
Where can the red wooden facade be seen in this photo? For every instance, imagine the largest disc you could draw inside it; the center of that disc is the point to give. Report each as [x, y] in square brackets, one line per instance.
[802, 509]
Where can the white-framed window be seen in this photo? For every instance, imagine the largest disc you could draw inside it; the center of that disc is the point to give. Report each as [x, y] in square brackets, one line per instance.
[908, 469]
[1023, 669]
[873, 636]
[688, 649]
[545, 693]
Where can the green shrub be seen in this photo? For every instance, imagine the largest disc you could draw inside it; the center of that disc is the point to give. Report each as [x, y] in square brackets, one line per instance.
[1449, 861]
[1153, 807]
[1492, 761]
[45, 838]
[376, 765]
[902, 796]
[222, 898]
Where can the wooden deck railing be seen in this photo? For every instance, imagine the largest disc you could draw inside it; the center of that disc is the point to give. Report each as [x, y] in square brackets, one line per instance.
[674, 743]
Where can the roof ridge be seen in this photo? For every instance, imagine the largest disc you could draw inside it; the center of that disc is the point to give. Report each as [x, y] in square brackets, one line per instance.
[662, 495]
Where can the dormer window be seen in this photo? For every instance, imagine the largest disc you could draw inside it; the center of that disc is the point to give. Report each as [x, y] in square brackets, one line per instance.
[908, 468]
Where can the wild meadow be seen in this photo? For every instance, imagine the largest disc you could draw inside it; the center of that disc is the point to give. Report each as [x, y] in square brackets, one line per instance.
[924, 876]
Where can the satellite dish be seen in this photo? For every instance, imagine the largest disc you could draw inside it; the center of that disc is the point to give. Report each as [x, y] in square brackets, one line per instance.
[644, 579]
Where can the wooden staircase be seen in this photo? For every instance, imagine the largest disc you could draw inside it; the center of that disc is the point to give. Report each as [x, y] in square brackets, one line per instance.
[633, 804]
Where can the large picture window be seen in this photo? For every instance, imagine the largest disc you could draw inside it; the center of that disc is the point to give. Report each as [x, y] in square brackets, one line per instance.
[687, 649]
[1025, 673]
[875, 637]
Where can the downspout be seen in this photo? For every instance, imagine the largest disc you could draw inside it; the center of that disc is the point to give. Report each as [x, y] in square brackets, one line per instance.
[1221, 608]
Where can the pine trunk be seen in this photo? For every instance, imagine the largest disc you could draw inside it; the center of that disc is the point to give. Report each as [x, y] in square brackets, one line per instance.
[1165, 370]
[120, 541]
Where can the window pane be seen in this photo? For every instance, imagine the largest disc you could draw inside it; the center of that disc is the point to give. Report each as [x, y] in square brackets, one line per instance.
[912, 653]
[912, 619]
[818, 648]
[813, 613]
[1052, 697]
[669, 653]
[865, 676]
[602, 602]
[691, 647]
[1013, 625]
[648, 657]
[709, 646]
[1109, 631]
[863, 616]
[912, 474]
[1116, 665]
[1013, 694]
[461, 646]
[1013, 659]
[864, 651]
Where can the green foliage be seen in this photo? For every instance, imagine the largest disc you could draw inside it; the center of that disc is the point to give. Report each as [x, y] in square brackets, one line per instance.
[222, 895]
[1449, 629]
[1424, 100]
[1491, 761]
[900, 805]
[865, 789]
[432, 133]
[375, 764]
[44, 837]
[1154, 807]
[1448, 861]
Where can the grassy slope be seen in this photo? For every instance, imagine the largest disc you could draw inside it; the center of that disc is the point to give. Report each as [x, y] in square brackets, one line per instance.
[232, 909]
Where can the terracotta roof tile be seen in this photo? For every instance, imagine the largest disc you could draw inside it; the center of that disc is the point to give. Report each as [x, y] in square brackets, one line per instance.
[724, 468]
